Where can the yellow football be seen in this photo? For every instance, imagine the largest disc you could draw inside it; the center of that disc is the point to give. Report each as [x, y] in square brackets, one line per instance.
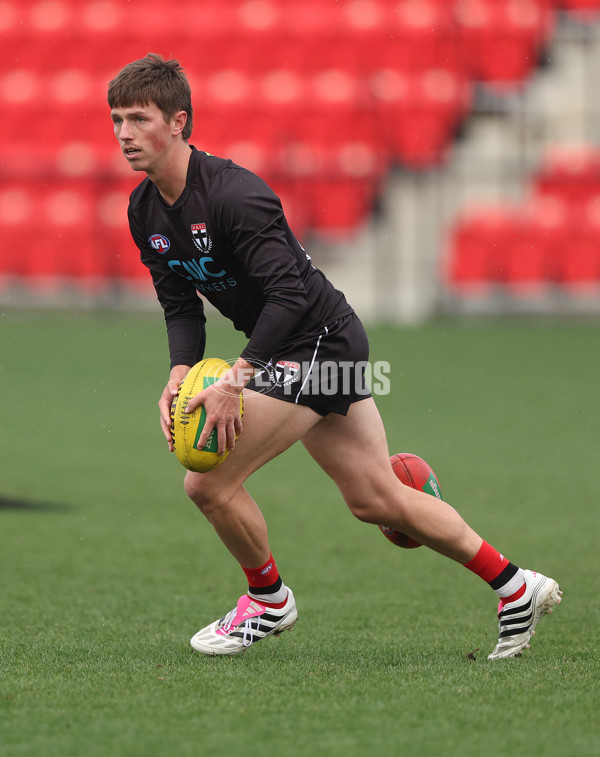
[187, 427]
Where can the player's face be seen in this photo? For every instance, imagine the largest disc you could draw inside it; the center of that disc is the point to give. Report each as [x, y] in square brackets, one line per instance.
[144, 135]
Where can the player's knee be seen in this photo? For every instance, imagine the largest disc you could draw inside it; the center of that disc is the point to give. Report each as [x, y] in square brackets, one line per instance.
[372, 509]
[199, 490]
[378, 505]
[364, 512]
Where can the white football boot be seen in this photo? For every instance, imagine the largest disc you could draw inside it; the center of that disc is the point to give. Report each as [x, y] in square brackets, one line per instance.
[518, 619]
[248, 622]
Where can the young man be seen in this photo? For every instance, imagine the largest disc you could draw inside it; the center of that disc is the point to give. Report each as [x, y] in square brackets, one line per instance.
[207, 228]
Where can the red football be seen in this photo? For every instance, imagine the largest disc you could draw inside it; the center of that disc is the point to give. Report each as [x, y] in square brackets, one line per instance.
[413, 471]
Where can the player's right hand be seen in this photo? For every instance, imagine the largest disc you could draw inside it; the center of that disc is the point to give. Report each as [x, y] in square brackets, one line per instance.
[171, 390]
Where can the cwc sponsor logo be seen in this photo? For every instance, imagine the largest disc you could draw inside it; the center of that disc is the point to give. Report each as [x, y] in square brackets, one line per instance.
[202, 272]
[196, 269]
[159, 243]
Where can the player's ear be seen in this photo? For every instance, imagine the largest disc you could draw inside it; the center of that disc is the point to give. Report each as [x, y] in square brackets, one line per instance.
[179, 122]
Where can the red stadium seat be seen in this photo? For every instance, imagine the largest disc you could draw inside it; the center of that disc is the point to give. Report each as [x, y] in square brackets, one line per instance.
[257, 16]
[419, 113]
[541, 230]
[66, 217]
[570, 173]
[579, 262]
[113, 239]
[153, 23]
[244, 122]
[50, 229]
[76, 159]
[280, 101]
[424, 36]
[19, 224]
[332, 108]
[526, 252]
[361, 18]
[23, 91]
[343, 197]
[364, 38]
[100, 17]
[10, 16]
[229, 88]
[339, 206]
[503, 39]
[334, 186]
[203, 21]
[20, 86]
[294, 204]
[75, 86]
[308, 20]
[476, 244]
[587, 11]
[51, 18]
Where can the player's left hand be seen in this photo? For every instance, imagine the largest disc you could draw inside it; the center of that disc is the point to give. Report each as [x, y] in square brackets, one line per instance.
[221, 402]
[222, 405]
[169, 393]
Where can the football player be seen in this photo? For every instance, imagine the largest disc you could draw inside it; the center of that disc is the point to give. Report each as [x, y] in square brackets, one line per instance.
[207, 229]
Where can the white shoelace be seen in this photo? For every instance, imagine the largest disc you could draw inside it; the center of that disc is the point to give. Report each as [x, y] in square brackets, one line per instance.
[247, 638]
[227, 622]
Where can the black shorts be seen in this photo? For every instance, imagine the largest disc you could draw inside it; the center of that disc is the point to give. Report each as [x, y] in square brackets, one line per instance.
[325, 371]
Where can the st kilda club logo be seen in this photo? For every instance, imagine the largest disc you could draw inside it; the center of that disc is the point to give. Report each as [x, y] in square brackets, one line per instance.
[284, 373]
[200, 236]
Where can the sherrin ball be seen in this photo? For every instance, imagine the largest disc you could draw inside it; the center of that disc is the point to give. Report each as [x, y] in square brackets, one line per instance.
[413, 471]
[187, 427]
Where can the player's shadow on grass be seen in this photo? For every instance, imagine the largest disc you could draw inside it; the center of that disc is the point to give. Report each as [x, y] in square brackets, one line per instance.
[27, 505]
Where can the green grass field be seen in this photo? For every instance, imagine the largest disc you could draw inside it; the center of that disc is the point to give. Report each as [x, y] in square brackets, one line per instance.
[107, 569]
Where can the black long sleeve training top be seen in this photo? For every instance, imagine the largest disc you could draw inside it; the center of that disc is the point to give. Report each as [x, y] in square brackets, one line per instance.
[226, 239]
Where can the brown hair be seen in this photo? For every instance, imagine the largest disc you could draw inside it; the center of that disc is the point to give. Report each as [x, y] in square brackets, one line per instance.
[153, 80]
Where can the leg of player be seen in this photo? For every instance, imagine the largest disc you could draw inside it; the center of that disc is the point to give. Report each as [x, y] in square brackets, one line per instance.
[341, 444]
[270, 427]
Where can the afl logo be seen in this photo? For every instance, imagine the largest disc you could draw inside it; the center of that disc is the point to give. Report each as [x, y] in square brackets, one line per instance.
[159, 243]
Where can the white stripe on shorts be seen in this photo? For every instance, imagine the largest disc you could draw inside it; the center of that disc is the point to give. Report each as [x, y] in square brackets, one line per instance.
[312, 362]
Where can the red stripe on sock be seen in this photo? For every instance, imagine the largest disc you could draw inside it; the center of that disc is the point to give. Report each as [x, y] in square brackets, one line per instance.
[517, 595]
[275, 605]
[265, 575]
[488, 563]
